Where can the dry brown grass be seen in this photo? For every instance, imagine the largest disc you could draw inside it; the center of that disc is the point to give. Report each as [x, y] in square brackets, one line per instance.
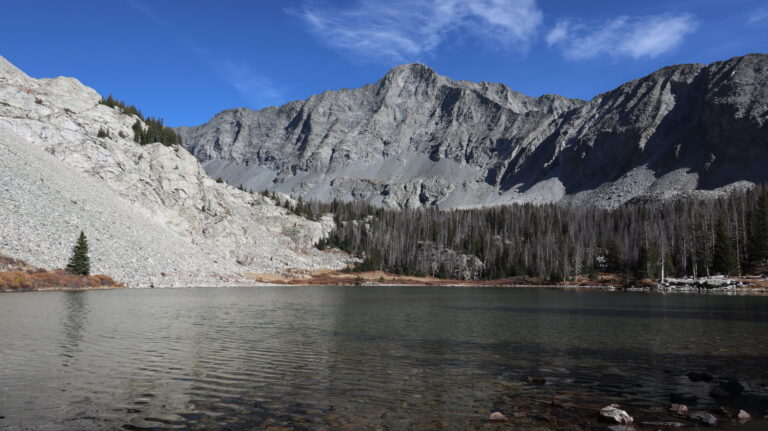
[58, 278]
[340, 278]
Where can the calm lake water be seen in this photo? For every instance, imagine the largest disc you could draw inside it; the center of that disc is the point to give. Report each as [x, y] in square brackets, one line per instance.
[364, 357]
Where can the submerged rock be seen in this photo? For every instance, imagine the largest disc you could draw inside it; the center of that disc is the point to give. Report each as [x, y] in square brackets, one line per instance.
[612, 413]
[679, 409]
[732, 387]
[535, 380]
[680, 398]
[663, 424]
[743, 416]
[703, 417]
[498, 417]
[700, 377]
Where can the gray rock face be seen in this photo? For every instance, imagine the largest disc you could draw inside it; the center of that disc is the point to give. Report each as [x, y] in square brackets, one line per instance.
[151, 214]
[446, 263]
[416, 138]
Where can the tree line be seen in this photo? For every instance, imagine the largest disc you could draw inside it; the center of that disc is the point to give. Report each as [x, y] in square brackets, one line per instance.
[153, 130]
[684, 237]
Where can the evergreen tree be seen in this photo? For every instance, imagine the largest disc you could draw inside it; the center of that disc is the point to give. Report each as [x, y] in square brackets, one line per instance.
[80, 263]
[725, 259]
[648, 265]
[757, 244]
[702, 251]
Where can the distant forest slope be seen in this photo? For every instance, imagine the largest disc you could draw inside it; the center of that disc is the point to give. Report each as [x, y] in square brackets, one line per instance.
[685, 237]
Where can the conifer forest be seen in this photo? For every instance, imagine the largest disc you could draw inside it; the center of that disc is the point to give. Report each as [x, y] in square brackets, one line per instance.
[685, 237]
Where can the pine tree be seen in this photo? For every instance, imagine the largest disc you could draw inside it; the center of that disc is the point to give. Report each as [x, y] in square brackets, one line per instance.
[648, 261]
[725, 259]
[80, 263]
[757, 241]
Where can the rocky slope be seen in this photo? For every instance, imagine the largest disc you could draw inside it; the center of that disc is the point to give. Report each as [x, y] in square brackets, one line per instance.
[152, 215]
[416, 138]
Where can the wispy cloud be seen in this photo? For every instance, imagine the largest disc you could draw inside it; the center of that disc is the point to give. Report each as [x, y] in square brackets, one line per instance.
[253, 86]
[759, 15]
[146, 11]
[404, 30]
[634, 37]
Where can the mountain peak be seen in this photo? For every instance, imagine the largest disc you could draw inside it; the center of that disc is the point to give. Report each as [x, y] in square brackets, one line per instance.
[411, 72]
[411, 68]
[418, 139]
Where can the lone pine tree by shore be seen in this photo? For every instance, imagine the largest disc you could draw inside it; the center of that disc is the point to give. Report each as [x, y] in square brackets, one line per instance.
[80, 263]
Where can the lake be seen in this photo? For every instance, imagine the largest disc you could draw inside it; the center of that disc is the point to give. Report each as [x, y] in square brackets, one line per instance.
[393, 358]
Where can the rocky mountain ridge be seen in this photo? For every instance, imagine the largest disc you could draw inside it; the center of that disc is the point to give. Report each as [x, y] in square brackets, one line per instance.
[152, 215]
[417, 139]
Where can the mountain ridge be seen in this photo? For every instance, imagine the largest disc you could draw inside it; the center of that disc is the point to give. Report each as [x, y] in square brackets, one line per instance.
[152, 215]
[416, 138]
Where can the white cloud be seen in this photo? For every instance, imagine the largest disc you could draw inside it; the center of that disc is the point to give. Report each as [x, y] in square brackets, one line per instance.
[404, 30]
[258, 89]
[624, 36]
[558, 33]
[758, 16]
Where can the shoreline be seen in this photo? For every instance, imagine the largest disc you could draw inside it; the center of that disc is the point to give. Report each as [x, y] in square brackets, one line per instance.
[605, 282]
[383, 279]
[63, 289]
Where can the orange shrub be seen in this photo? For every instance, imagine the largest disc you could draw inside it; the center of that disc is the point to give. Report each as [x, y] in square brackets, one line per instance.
[39, 279]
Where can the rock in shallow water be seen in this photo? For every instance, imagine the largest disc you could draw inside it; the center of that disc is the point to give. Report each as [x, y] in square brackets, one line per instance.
[535, 380]
[743, 416]
[680, 409]
[732, 387]
[612, 413]
[498, 417]
[663, 424]
[700, 377]
[703, 417]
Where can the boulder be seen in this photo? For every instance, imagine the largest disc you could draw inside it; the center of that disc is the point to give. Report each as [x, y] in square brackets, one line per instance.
[498, 417]
[703, 417]
[679, 409]
[743, 416]
[613, 413]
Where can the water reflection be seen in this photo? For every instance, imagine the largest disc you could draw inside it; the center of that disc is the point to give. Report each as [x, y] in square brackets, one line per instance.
[73, 321]
[360, 358]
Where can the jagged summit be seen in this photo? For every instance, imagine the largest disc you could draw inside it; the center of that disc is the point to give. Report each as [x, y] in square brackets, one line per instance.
[417, 139]
[411, 68]
[411, 72]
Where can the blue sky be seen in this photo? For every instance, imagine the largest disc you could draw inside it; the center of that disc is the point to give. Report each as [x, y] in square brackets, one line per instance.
[187, 60]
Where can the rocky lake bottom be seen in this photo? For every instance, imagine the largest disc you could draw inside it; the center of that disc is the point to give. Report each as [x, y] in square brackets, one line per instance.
[389, 358]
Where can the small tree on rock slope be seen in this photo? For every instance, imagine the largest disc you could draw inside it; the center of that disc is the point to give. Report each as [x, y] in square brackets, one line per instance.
[80, 263]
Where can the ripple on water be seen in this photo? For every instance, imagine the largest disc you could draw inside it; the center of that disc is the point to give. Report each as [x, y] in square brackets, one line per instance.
[361, 358]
